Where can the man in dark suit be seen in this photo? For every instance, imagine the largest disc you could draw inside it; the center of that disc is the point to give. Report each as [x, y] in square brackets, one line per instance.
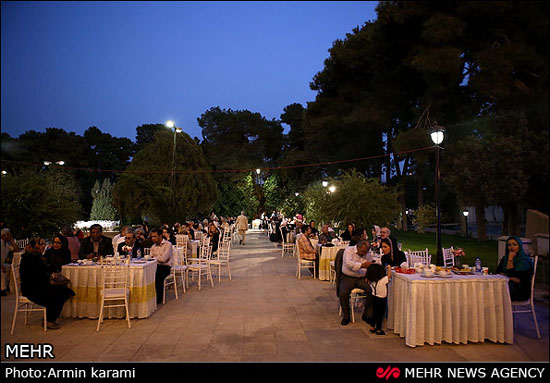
[95, 245]
[130, 246]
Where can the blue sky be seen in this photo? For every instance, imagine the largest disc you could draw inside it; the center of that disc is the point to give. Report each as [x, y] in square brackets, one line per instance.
[118, 65]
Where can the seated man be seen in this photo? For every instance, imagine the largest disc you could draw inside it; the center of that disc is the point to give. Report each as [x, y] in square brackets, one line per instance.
[354, 271]
[96, 244]
[307, 251]
[119, 238]
[326, 236]
[130, 246]
[162, 252]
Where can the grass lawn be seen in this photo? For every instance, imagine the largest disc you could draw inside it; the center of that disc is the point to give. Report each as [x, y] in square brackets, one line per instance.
[487, 251]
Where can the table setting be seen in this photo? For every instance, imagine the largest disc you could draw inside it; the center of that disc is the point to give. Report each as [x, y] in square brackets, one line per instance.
[326, 255]
[433, 304]
[86, 279]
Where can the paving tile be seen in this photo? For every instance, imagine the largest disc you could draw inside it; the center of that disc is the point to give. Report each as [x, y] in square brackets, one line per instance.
[263, 314]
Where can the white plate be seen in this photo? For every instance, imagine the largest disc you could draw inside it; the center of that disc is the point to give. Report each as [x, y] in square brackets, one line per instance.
[446, 276]
[428, 276]
[139, 261]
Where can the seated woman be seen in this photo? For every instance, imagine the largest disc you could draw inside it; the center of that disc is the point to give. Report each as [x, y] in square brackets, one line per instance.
[36, 286]
[348, 234]
[518, 267]
[214, 235]
[391, 255]
[168, 235]
[314, 231]
[57, 255]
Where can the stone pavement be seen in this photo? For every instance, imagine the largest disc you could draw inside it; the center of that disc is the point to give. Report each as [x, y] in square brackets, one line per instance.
[263, 314]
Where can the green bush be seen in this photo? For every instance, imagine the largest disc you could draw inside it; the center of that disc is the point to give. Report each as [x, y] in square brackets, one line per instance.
[424, 217]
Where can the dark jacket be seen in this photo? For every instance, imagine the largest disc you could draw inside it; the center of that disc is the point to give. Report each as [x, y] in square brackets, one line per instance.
[338, 260]
[87, 247]
[57, 258]
[398, 258]
[327, 237]
[35, 281]
[346, 235]
[35, 275]
[518, 291]
[135, 249]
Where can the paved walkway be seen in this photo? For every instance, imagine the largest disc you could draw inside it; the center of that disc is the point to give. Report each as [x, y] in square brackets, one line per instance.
[263, 314]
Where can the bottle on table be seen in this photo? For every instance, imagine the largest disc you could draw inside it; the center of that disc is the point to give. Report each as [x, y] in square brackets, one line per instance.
[478, 265]
[138, 254]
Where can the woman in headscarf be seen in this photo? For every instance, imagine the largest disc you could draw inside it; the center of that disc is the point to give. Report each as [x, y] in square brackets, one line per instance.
[518, 267]
[36, 286]
[57, 255]
[391, 255]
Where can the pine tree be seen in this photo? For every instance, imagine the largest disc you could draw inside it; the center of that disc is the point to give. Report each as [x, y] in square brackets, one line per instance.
[102, 208]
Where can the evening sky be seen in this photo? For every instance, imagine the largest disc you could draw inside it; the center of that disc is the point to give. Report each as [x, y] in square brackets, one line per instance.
[118, 65]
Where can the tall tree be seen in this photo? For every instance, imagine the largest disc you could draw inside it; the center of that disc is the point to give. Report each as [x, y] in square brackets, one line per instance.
[102, 206]
[39, 202]
[145, 189]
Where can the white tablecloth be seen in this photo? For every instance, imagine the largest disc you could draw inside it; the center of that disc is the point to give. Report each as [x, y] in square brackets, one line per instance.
[460, 309]
[327, 254]
[86, 282]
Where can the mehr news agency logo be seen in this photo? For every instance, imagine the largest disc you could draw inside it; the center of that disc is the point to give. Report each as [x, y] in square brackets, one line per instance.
[389, 372]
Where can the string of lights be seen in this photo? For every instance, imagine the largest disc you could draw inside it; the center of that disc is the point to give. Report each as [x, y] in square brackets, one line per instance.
[21, 163]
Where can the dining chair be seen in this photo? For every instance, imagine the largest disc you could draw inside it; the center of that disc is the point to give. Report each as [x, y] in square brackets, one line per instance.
[420, 256]
[222, 257]
[448, 257]
[171, 279]
[179, 266]
[287, 247]
[303, 263]
[146, 251]
[354, 297]
[114, 288]
[201, 265]
[332, 272]
[182, 239]
[529, 302]
[22, 303]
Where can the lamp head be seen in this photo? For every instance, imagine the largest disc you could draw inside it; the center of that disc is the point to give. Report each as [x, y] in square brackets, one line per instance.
[437, 134]
[466, 213]
[170, 124]
[325, 184]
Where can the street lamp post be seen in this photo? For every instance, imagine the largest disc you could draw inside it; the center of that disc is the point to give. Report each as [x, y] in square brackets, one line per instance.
[466, 213]
[437, 135]
[172, 125]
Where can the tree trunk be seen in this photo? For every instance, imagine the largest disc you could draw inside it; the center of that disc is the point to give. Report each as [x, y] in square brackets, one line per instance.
[480, 220]
[513, 219]
[419, 192]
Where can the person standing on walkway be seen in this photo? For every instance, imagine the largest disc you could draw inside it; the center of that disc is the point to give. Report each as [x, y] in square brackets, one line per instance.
[242, 227]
